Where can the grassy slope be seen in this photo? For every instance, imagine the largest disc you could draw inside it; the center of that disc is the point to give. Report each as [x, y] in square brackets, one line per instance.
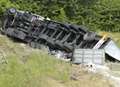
[27, 67]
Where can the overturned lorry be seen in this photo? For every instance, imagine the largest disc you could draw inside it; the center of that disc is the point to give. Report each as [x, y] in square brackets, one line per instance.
[37, 31]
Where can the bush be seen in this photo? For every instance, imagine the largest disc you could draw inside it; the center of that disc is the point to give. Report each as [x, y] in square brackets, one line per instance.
[95, 14]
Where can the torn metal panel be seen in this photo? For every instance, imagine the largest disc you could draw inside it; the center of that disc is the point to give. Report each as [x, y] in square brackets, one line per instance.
[112, 50]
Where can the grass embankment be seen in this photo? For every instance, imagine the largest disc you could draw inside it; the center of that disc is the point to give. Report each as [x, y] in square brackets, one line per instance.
[27, 67]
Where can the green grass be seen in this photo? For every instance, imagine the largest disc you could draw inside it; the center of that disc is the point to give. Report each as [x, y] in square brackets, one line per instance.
[27, 67]
[18, 74]
[115, 68]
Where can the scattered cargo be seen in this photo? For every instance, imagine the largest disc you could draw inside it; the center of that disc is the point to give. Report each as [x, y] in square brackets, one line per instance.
[38, 31]
[83, 56]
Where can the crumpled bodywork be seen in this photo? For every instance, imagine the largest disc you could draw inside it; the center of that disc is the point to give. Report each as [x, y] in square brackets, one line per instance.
[37, 30]
[112, 50]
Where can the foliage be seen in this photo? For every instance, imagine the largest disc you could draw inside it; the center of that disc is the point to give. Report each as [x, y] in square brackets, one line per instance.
[95, 14]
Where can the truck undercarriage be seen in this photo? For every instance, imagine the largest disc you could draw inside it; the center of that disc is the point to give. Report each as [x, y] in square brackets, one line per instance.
[38, 31]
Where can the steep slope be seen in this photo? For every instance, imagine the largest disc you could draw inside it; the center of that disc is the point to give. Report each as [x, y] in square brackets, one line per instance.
[22, 66]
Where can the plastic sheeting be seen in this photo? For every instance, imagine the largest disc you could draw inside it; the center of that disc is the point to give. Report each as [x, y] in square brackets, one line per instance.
[112, 50]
